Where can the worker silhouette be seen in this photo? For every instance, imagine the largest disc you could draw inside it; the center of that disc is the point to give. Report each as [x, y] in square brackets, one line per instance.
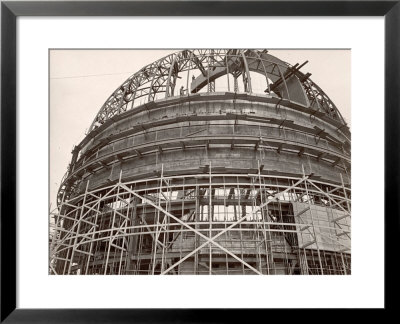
[182, 91]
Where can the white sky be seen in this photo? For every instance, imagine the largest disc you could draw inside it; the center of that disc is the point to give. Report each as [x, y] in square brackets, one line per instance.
[82, 80]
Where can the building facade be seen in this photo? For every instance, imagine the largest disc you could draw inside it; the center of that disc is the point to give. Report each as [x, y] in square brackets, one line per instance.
[209, 162]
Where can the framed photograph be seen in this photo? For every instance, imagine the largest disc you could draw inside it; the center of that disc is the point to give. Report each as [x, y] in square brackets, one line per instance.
[242, 122]
[162, 158]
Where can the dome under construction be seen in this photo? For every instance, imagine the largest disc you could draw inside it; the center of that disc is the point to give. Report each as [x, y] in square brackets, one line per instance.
[209, 161]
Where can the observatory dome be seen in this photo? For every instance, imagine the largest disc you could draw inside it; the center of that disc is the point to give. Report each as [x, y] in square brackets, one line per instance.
[202, 153]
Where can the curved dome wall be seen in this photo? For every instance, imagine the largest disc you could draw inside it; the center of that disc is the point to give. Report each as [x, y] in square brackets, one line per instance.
[211, 177]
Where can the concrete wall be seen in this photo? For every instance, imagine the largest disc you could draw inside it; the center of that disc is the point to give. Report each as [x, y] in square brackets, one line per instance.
[232, 135]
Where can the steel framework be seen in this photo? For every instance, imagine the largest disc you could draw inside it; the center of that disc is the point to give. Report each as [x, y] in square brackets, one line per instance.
[160, 77]
[232, 182]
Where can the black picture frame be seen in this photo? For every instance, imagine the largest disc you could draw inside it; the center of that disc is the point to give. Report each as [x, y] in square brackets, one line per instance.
[10, 10]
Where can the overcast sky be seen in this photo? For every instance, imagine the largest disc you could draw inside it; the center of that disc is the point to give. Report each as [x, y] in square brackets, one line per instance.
[82, 80]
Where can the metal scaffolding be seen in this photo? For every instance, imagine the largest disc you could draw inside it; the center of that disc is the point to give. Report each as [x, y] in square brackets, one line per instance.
[215, 224]
[216, 179]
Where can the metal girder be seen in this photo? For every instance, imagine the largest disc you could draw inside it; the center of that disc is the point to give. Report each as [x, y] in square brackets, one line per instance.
[159, 76]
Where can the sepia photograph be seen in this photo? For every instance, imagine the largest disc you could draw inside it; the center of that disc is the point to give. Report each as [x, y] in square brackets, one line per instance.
[199, 162]
[212, 142]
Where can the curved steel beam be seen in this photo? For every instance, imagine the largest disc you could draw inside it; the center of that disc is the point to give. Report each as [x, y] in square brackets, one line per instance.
[152, 79]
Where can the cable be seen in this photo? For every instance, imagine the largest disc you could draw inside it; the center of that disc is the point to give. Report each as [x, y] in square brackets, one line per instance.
[89, 75]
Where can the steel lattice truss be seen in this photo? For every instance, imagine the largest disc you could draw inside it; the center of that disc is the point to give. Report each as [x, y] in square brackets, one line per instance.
[133, 228]
[250, 212]
[160, 77]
